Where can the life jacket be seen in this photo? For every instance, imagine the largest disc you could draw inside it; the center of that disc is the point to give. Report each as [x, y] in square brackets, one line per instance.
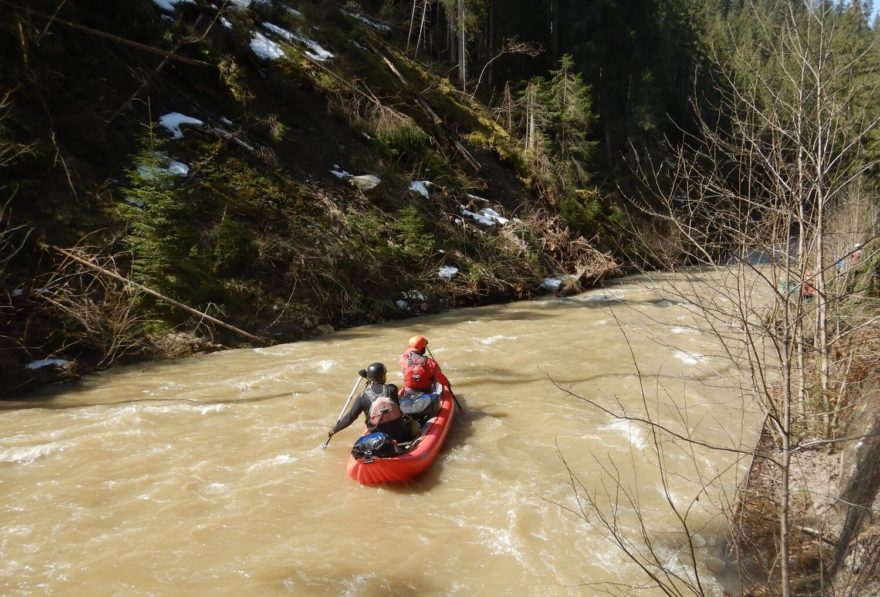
[416, 375]
[382, 408]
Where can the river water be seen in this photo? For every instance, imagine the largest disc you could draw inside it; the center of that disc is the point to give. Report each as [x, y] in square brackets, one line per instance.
[207, 476]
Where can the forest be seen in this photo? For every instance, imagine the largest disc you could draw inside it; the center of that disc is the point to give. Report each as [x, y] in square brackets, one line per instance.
[180, 176]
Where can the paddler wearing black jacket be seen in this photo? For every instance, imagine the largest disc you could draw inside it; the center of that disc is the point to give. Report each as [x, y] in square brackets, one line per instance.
[401, 429]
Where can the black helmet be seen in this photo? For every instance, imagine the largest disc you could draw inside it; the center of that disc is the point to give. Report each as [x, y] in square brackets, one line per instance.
[375, 371]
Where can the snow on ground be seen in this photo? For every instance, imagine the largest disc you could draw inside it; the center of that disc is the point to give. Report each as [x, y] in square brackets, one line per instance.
[339, 173]
[420, 187]
[178, 168]
[281, 32]
[174, 168]
[246, 3]
[173, 120]
[169, 5]
[374, 23]
[487, 216]
[491, 213]
[46, 363]
[315, 51]
[265, 48]
[447, 272]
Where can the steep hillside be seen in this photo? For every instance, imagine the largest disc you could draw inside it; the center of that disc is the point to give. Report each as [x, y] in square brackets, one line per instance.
[278, 166]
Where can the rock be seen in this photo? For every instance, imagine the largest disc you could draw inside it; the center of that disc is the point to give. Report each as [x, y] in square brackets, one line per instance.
[174, 345]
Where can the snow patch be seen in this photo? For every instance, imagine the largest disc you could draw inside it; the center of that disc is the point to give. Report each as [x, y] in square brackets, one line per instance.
[340, 173]
[46, 363]
[374, 23]
[420, 187]
[284, 33]
[170, 5]
[552, 283]
[265, 48]
[173, 121]
[178, 168]
[487, 216]
[447, 272]
[315, 51]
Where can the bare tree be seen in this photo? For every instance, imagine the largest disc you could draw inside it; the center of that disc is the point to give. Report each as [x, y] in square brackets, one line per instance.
[748, 195]
[510, 46]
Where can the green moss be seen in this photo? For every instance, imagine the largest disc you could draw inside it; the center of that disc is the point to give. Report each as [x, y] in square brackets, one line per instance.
[404, 138]
[233, 78]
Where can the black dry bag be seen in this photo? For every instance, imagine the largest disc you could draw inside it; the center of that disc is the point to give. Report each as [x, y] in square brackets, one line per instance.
[420, 407]
[374, 445]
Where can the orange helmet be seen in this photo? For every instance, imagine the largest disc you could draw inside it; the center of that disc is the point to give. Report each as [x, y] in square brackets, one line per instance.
[418, 343]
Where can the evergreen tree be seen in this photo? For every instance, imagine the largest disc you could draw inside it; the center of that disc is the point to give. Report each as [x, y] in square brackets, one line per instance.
[568, 107]
[164, 227]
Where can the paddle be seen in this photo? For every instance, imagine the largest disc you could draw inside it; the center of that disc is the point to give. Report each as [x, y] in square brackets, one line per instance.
[361, 374]
[460, 409]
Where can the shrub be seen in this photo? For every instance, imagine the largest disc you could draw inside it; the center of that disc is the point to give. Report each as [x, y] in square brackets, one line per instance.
[411, 235]
[164, 223]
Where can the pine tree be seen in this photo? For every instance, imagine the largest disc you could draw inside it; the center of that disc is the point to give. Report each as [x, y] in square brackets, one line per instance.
[567, 101]
[164, 231]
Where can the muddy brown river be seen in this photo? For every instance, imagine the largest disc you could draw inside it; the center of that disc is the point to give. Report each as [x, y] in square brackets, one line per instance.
[206, 476]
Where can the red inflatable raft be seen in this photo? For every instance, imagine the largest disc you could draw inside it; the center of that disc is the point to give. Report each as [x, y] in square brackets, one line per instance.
[414, 462]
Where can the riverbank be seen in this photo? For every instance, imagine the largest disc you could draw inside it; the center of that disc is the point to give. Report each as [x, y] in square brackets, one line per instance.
[834, 492]
[21, 373]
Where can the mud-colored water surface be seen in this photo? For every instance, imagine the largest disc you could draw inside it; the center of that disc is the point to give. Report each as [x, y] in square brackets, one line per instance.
[206, 476]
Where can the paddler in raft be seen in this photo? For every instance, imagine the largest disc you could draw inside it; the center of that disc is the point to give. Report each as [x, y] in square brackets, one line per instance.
[381, 407]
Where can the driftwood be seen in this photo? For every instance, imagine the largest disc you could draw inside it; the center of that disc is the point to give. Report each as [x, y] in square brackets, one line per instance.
[160, 296]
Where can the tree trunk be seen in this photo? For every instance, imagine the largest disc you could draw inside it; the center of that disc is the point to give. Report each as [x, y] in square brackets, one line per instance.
[421, 26]
[412, 19]
[462, 47]
[491, 42]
